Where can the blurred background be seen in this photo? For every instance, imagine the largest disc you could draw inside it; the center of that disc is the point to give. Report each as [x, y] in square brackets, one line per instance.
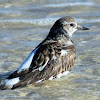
[25, 23]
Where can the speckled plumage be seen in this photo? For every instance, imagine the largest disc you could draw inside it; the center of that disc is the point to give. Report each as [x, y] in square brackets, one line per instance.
[51, 58]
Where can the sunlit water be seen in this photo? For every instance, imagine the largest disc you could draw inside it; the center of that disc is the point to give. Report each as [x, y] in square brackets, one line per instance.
[25, 23]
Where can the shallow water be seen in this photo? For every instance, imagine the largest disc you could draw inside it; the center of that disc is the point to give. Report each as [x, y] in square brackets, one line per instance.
[24, 24]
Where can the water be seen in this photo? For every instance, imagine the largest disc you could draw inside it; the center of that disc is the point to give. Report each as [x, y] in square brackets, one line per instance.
[25, 23]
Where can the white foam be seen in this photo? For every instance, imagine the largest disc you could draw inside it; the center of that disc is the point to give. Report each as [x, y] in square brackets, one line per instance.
[69, 4]
[26, 64]
[40, 22]
[48, 21]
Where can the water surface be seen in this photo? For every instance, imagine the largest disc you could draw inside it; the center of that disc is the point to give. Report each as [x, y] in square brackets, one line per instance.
[24, 24]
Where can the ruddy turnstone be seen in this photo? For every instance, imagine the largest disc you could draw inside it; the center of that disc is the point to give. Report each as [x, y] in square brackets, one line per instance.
[52, 58]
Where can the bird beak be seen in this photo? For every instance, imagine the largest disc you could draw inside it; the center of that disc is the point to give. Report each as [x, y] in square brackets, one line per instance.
[82, 28]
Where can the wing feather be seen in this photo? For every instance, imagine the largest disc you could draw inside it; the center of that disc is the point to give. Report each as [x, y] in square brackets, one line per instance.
[48, 61]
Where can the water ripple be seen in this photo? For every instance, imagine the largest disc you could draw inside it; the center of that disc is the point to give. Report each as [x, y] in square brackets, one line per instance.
[70, 4]
[45, 21]
[58, 5]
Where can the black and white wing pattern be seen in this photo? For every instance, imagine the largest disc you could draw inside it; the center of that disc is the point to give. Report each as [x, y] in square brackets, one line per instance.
[52, 58]
[49, 60]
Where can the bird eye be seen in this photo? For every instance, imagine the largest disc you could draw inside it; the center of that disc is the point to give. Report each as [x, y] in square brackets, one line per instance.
[71, 24]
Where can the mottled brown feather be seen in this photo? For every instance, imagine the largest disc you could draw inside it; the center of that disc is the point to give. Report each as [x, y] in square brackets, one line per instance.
[49, 54]
[53, 67]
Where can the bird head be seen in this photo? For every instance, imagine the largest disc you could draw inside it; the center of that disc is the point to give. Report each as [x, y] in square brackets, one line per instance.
[66, 25]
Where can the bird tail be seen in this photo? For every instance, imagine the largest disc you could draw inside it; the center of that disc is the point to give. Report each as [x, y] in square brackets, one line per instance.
[20, 82]
[4, 87]
[11, 87]
[9, 83]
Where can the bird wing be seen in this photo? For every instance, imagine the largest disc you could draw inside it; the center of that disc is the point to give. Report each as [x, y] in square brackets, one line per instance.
[45, 61]
[33, 67]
